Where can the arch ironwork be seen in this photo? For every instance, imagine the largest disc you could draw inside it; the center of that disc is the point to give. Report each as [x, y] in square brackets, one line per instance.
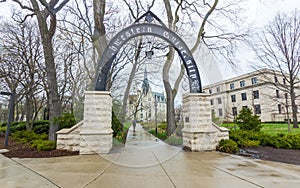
[139, 29]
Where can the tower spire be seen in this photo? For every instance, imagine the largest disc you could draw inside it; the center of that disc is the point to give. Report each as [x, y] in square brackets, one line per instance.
[145, 85]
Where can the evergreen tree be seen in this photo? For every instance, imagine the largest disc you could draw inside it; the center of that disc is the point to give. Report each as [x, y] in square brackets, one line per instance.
[247, 121]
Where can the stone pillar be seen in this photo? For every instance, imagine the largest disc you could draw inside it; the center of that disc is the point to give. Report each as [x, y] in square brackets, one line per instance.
[96, 132]
[198, 134]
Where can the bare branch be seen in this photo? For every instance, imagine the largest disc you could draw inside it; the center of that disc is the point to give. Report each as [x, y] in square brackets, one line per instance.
[23, 6]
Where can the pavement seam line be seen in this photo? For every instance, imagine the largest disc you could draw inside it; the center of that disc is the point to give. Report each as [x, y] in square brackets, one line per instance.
[35, 172]
[231, 174]
[102, 172]
[269, 167]
[160, 164]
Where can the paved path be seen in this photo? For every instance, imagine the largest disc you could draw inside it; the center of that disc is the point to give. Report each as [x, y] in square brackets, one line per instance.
[147, 162]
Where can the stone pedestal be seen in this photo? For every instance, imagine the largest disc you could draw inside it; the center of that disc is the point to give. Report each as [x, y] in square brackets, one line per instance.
[96, 133]
[198, 133]
[69, 139]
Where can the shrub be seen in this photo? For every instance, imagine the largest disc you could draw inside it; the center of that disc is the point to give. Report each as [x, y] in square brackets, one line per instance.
[116, 126]
[250, 138]
[287, 141]
[28, 136]
[162, 125]
[247, 121]
[253, 138]
[40, 122]
[17, 126]
[44, 145]
[160, 135]
[174, 140]
[40, 127]
[38, 141]
[67, 120]
[2, 131]
[228, 146]
[248, 143]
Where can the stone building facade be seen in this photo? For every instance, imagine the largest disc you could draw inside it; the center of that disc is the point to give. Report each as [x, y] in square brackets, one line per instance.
[146, 104]
[259, 90]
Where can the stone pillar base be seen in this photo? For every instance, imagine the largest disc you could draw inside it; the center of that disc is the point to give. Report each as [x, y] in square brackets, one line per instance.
[198, 133]
[199, 141]
[95, 143]
[96, 133]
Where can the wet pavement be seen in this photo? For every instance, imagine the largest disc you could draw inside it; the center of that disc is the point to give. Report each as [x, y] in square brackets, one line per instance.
[147, 162]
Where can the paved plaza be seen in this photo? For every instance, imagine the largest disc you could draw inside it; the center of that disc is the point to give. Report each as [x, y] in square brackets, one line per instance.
[147, 162]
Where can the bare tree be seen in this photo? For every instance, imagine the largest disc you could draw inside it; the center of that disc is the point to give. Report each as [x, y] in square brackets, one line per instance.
[22, 54]
[221, 42]
[278, 48]
[99, 35]
[45, 13]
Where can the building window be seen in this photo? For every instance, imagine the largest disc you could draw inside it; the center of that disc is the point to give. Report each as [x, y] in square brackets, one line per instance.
[275, 79]
[220, 112]
[254, 80]
[218, 89]
[284, 81]
[256, 94]
[277, 93]
[244, 107]
[219, 101]
[231, 86]
[141, 116]
[279, 108]
[242, 83]
[234, 111]
[233, 99]
[211, 102]
[257, 109]
[210, 91]
[244, 96]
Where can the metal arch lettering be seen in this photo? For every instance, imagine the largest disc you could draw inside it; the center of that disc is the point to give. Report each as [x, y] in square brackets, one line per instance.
[136, 30]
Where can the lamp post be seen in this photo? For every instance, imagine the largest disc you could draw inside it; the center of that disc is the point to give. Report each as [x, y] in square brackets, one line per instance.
[155, 104]
[10, 113]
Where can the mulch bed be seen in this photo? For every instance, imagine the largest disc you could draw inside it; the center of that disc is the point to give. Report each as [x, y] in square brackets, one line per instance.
[291, 156]
[19, 150]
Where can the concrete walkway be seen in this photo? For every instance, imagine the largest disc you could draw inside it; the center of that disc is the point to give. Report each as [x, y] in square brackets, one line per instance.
[147, 162]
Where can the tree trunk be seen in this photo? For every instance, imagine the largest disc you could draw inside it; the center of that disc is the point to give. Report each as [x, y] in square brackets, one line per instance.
[131, 77]
[99, 36]
[126, 94]
[294, 109]
[171, 126]
[28, 111]
[54, 102]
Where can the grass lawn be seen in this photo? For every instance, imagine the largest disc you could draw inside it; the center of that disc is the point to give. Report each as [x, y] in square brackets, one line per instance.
[275, 128]
[270, 128]
[149, 125]
[127, 125]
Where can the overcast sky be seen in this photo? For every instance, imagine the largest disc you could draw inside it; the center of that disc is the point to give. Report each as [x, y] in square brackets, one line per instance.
[259, 13]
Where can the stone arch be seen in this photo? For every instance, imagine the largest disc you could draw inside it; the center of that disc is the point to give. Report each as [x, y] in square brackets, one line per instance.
[139, 29]
[94, 133]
